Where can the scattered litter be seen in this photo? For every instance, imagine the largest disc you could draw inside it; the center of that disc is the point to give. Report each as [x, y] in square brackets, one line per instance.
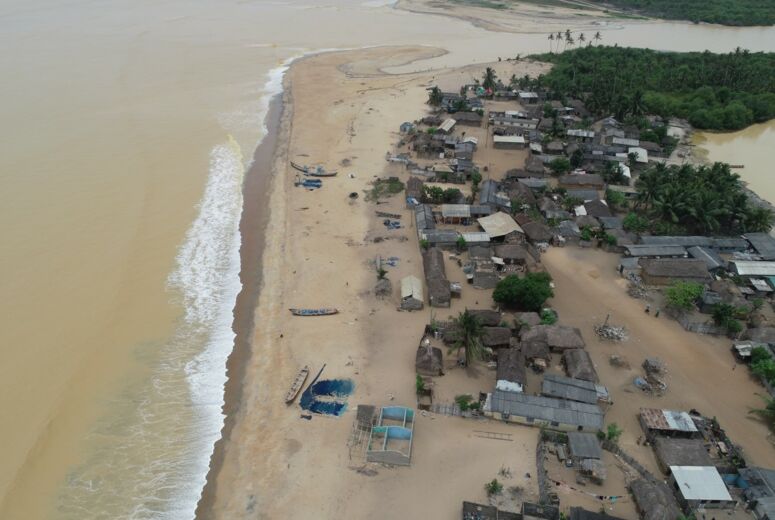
[390, 224]
[618, 361]
[353, 195]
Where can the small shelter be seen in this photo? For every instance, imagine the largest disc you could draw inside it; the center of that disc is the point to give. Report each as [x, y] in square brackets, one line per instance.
[584, 446]
[411, 293]
[511, 374]
[555, 414]
[668, 423]
[513, 254]
[537, 231]
[654, 500]
[700, 486]
[500, 226]
[496, 337]
[578, 365]
[680, 452]
[556, 337]
[665, 271]
[429, 361]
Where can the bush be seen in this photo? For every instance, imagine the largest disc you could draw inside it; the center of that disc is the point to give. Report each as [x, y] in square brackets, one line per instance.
[586, 234]
[493, 487]
[682, 295]
[760, 353]
[528, 293]
[465, 402]
[559, 166]
[548, 317]
[461, 243]
[424, 243]
[610, 239]
[635, 223]
[419, 384]
[613, 432]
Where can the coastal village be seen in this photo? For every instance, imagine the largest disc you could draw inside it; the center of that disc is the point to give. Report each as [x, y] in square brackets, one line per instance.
[488, 182]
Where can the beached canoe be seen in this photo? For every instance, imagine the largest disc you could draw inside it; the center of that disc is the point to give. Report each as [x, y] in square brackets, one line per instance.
[313, 171]
[313, 312]
[297, 384]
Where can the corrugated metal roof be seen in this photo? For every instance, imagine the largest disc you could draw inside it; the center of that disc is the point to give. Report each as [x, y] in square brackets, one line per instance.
[688, 241]
[580, 133]
[763, 243]
[411, 287]
[499, 224]
[510, 139]
[669, 420]
[568, 388]
[700, 483]
[546, 409]
[584, 445]
[711, 259]
[753, 268]
[625, 141]
[643, 250]
[475, 237]
[456, 210]
[447, 125]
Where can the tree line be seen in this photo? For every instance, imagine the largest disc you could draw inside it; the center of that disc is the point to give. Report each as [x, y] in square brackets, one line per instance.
[713, 91]
[725, 12]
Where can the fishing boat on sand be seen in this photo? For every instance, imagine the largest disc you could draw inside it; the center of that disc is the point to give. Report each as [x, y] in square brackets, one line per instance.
[314, 171]
[313, 312]
[298, 382]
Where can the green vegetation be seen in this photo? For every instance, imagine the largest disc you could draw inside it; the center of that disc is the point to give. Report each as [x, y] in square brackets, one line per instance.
[466, 402]
[424, 244]
[713, 91]
[725, 12]
[528, 293]
[461, 244]
[489, 79]
[702, 200]
[384, 188]
[766, 414]
[381, 274]
[682, 295]
[559, 166]
[727, 316]
[762, 364]
[493, 487]
[469, 337]
[548, 317]
[419, 384]
[635, 223]
[613, 432]
[435, 96]
[586, 234]
[437, 195]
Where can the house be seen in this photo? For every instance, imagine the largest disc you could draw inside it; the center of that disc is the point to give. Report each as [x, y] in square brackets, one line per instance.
[534, 183]
[473, 511]
[496, 337]
[528, 98]
[414, 191]
[508, 142]
[406, 127]
[577, 513]
[568, 231]
[700, 487]
[429, 361]
[532, 511]
[557, 337]
[624, 141]
[572, 389]
[476, 238]
[411, 294]
[581, 136]
[590, 181]
[444, 238]
[500, 226]
[597, 208]
[513, 254]
[667, 423]
[468, 118]
[763, 244]
[758, 486]
[641, 154]
[655, 251]
[423, 218]
[537, 232]
[554, 414]
[584, 446]
[680, 452]
[578, 365]
[609, 223]
[665, 271]
[511, 374]
[486, 317]
[447, 126]
[439, 293]
[490, 194]
[753, 268]
[534, 166]
[555, 148]
[710, 257]
[654, 500]
[455, 213]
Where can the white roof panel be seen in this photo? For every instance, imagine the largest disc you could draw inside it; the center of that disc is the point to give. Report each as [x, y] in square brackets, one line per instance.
[700, 483]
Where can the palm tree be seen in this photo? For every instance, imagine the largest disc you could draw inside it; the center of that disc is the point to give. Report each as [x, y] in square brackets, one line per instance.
[489, 79]
[551, 41]
[766, 414]
[582, 38]
[758, 219]
[469, 336]
[597, 37]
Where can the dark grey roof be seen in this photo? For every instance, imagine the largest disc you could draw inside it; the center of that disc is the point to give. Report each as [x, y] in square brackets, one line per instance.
[611, 222]
[534, 183]
[577, 513]
[584, 445]
[480, 210]
[568, 228]
[678, 268]
[761, 482]
[681, 452]
[597, 208]
[579, 365]
[730, 244]
[547, 409]
[582, 194]
[711, 259]
[568, 388]
[677, 241]
[441, 236]
[480, 252]
[763, 243]
[487, 317]
[655, 500]
[496, 336]
[647, 250]
[423, 217]
[582, 180]
[489, 194]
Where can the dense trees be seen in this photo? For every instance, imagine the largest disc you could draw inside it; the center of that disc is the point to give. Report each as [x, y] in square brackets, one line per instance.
[713, 91]
[726, 12]
[469, 336]
[703, 200]
[528, 293]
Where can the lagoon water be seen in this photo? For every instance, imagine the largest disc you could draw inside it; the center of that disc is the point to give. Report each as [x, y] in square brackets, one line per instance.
[128, 128]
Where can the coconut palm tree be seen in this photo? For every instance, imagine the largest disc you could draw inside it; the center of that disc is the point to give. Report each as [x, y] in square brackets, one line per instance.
[488, 81]
[469, 336]
[597, 37]
[582, 38]
[766, 414]
[551, 41]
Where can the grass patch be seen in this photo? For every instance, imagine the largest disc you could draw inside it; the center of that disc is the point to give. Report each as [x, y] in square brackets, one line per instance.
[382, 188]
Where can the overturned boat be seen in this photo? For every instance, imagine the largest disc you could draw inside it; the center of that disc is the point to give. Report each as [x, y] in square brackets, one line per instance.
[313, 312]
[314, 171]
[297, 384]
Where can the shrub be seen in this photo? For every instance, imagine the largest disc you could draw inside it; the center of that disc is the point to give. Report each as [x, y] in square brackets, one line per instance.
[682, 295]
[419, 384]
[528, 293]
[635, 223]
[548, 317]
[493, 487]
[613, 432]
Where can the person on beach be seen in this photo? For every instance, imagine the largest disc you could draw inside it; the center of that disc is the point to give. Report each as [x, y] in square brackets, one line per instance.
[656, 314]
[648, 309]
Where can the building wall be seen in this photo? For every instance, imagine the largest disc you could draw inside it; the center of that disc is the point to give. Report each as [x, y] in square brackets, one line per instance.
[538, 423]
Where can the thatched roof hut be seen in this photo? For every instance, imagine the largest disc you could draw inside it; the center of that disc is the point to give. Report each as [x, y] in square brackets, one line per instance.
[531, 319]
[496, 337]
[654, 500]
[439, 294]
[556, 337]
[513, 254]
[537, 231]
[511, 374]
[579, 365]
[429, 360]
[487, 317]
[680, 452]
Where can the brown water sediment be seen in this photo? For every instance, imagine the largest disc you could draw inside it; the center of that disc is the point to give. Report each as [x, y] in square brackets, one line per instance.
[253, 221]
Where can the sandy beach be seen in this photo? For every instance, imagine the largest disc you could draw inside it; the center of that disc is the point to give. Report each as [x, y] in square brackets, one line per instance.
[320, 248]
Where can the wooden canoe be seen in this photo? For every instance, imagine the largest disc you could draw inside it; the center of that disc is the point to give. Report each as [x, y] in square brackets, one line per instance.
[313, 312]
[313, 171]
[297, 384]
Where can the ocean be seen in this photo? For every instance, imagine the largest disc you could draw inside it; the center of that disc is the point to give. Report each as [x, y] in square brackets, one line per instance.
[130, 126]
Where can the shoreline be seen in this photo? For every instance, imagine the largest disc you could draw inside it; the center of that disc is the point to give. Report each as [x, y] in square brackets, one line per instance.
[253, 223]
